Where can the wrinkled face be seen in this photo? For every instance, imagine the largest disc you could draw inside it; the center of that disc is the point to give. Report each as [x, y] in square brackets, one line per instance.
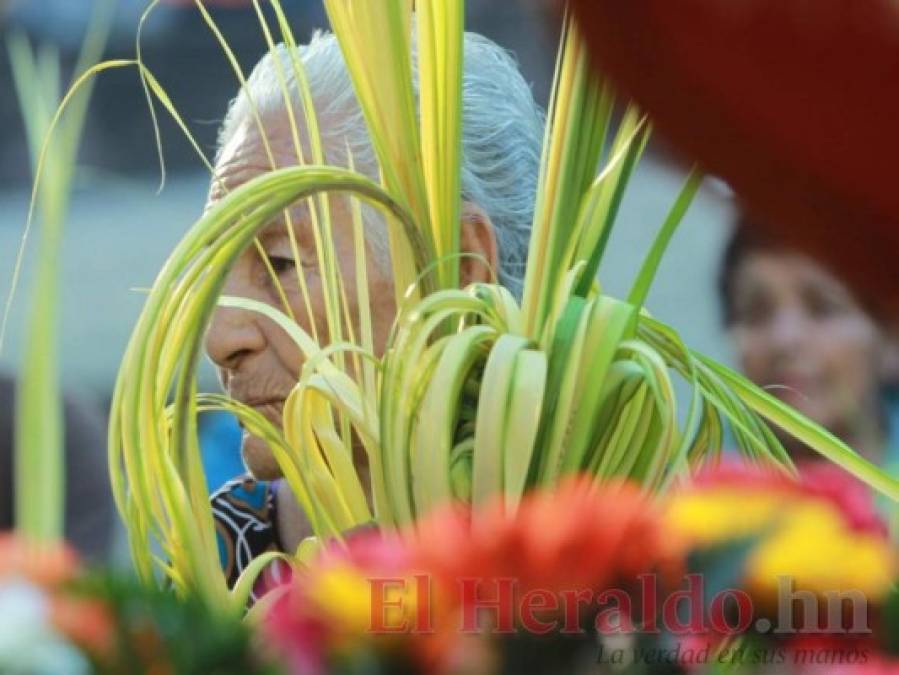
[799, 331]
[258, 363]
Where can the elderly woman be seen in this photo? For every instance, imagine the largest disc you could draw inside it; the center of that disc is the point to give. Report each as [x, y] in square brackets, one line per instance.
[257, 362]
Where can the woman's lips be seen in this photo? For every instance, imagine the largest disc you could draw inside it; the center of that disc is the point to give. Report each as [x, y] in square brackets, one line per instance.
[270, 407]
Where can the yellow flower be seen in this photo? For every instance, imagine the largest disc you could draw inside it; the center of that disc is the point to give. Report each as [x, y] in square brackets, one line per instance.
[343, 595]
[802, 537]
[355, 605]
[813, 545]
[718, 515]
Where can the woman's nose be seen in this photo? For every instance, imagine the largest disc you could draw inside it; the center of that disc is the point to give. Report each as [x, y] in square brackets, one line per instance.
[233, 335]
[789, 330]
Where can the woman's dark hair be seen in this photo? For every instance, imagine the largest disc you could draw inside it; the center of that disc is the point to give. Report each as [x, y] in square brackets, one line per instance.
[746, 239]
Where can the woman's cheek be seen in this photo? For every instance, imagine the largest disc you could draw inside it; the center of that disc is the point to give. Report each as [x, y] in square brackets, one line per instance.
[849, 368]
[752, 354]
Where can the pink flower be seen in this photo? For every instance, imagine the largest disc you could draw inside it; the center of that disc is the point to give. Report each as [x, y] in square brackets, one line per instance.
[326, 608]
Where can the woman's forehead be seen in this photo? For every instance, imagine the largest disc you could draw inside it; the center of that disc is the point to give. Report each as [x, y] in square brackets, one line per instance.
[248, 154]
[297, 217]
[786, 268]
[246, 157]
[791, 278]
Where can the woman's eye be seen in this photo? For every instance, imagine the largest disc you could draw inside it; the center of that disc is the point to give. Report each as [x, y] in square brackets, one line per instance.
[822, 308]
[754, 312]
[824, 305]
[281, 265]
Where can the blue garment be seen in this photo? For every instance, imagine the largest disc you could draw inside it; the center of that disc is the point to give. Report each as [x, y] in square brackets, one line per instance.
[220, 439]
[244, 509]
[245, 514]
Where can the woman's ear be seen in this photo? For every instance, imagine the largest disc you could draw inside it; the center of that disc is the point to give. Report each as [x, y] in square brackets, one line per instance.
[477, 239]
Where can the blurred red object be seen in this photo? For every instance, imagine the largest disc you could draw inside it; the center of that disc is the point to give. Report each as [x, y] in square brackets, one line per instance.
[795, 103]
[819, 479]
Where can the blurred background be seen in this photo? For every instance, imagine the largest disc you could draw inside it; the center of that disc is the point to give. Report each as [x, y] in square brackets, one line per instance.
[120, 230]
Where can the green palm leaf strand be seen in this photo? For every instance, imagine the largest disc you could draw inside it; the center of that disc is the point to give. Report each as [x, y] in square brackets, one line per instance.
[39, 492]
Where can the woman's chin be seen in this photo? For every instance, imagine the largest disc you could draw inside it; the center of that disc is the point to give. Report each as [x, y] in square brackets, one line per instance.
[258, 458]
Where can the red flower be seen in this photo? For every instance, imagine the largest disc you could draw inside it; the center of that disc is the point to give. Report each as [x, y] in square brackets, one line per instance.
[819, 479]
[573, 537]
[854, 498]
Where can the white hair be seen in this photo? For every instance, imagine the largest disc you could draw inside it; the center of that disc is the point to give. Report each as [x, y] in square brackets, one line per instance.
[502, 130]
